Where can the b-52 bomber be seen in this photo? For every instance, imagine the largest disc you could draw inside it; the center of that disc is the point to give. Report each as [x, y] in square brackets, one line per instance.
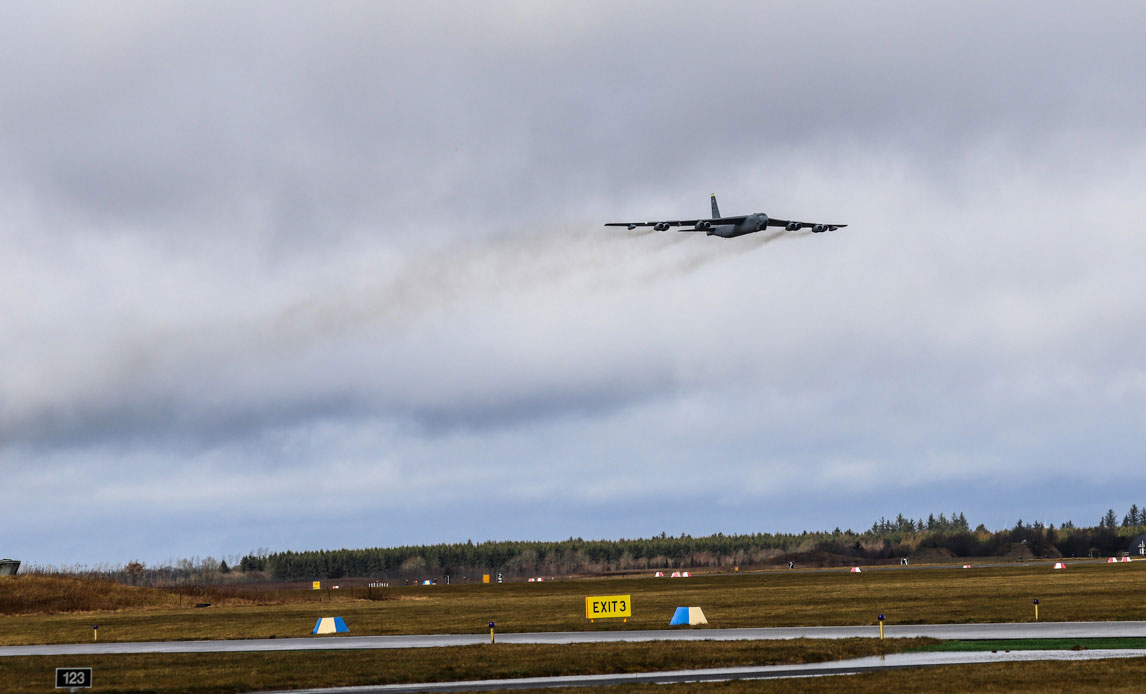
[730, 227]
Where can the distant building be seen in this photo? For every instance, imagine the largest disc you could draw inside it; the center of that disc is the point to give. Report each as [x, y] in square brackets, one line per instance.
[9, 567]
[1137, 546]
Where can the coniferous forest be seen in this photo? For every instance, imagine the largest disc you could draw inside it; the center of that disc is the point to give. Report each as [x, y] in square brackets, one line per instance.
[937, 538]
[933, 538]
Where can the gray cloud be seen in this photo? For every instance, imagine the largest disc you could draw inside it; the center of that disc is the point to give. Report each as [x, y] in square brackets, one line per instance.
[259, 255]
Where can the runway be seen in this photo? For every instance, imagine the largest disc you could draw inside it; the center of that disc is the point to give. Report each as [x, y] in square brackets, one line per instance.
[844, 667]
[1037, 630]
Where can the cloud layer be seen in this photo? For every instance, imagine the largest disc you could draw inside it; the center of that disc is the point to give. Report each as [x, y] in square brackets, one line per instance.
[288, 276]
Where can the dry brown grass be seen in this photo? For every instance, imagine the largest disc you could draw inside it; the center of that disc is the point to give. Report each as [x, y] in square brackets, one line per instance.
[235, 672]
[31, 594]
[37, 594]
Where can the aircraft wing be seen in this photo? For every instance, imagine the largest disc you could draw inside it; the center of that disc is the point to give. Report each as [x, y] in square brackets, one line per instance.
[678, 223]
[670, 223]
[792, 225]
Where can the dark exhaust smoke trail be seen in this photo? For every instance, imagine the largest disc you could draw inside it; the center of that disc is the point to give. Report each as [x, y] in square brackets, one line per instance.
[759, 239]
[424, 283]
[466, 271]
[718, 249]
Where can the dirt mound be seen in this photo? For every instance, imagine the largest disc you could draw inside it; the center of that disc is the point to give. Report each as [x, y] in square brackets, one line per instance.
[1016, 551]
[931, 555]
[819, 559]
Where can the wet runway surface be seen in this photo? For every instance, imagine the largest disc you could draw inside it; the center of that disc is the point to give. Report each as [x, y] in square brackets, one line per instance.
[845, 667]
[1038, 630]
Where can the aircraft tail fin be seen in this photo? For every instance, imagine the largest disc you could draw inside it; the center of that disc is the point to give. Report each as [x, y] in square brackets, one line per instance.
[715, 209]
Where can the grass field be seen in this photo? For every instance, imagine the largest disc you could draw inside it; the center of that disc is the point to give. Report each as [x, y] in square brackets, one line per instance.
[252, 671]
[1081, 593]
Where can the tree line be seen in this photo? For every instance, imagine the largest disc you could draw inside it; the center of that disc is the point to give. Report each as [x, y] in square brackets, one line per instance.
[1133, 518]
[886, 539]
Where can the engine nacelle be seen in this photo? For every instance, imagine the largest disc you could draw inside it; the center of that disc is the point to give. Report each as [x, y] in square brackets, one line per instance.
[660, 226]
[703, 226]
[793, 226]
[832, 228]
[632, 226]
[819, 229]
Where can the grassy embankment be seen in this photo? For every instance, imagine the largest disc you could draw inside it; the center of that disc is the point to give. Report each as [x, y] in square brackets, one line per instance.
[34, 594]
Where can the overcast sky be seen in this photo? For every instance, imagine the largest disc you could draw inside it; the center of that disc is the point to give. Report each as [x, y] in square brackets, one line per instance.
[318, 275]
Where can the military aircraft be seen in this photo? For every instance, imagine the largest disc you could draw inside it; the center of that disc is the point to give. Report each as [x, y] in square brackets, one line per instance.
[729, 227]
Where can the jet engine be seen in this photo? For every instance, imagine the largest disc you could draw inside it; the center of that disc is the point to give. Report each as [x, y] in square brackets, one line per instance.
[660, 226]
[819, 228]
[793, 226]
[703, 226]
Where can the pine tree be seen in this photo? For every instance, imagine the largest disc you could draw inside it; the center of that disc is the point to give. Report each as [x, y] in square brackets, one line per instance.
[903, 524]
[1110, 520]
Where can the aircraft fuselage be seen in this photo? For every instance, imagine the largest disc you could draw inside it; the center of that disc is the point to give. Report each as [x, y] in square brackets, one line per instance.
[751, 224]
